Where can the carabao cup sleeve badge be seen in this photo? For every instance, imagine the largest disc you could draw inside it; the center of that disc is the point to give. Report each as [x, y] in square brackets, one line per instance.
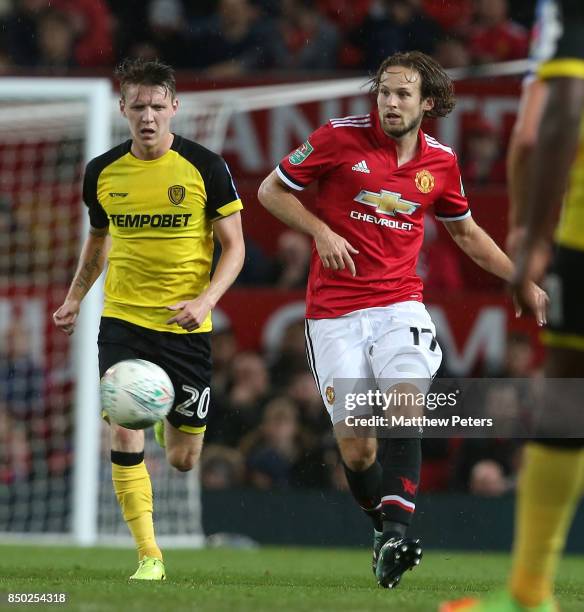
[301, 153]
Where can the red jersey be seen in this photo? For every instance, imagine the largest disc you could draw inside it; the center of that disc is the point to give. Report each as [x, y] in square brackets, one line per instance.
[377, 206]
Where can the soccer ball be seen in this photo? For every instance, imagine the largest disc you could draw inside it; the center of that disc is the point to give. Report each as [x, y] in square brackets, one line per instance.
[136, 393]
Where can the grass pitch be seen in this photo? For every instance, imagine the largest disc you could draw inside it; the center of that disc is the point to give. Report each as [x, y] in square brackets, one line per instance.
[257, 580]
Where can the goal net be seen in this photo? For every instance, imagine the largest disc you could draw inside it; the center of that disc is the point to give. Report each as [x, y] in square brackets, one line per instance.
[55, 473]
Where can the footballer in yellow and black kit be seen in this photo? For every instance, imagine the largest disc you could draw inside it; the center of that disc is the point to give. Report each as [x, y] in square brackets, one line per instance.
[564, 281]
[160, 217]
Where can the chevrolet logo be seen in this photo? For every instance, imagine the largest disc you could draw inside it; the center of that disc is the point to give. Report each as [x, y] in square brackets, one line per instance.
[387, 202]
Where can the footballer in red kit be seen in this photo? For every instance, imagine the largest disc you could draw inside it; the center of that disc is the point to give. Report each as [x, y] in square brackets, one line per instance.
[367, 329]
[368, 199]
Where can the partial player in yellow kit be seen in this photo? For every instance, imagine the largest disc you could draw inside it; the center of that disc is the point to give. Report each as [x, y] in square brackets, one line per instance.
[552, 477]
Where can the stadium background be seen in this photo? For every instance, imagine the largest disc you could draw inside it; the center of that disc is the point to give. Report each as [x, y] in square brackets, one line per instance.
[269, 453]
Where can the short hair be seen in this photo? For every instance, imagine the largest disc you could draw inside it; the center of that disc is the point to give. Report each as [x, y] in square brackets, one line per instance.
[436, 84]
[146, 72]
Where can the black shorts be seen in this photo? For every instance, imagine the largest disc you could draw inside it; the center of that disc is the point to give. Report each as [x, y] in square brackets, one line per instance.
[563, 283]
[186, 358]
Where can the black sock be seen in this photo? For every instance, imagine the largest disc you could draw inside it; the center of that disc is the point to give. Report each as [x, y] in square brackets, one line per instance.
[365, 487]
[401, 459]
[126, 459]
[394, 529]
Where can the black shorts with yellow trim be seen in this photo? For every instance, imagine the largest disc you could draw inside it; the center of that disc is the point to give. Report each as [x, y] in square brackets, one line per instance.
[563, 283]
[186, 358]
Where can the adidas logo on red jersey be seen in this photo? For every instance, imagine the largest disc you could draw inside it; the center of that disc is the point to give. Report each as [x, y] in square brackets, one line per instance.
[361, 167]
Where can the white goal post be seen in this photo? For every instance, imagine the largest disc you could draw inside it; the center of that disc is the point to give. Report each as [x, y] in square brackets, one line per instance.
[94, 99]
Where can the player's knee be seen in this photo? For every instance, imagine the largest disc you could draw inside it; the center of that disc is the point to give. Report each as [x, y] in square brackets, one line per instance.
[359, 454]
[359, 464]
[127, 440]
[184, 460]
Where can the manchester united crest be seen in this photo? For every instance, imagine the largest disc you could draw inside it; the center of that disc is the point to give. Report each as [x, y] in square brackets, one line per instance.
[424, 181]
[330, 395]
[176, 194]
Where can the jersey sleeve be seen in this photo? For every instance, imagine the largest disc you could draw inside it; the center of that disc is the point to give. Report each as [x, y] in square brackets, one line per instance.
[97, 216]
[452, 204]
[567, 59]
[222, 197]
[310, 160]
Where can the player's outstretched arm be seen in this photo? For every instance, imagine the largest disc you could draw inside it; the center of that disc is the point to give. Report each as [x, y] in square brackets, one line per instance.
[480, 247]
[483, 250]
[190, 314]
[91, 264]
[335, 252]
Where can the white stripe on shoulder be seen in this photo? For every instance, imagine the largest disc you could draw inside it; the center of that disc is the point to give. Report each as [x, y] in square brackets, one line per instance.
[354, 125]
[449, 219]
[350, 122]
[352, 118]
[432, 142]
[286, 180]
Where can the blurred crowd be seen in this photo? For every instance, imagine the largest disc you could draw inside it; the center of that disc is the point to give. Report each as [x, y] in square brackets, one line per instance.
[228, 38]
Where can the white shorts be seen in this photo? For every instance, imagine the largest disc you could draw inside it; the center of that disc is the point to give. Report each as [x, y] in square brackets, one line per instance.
[363, 347]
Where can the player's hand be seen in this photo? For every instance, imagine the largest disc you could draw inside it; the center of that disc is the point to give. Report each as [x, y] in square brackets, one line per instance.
[190, 314]
[334, 251]
[66, 315]
[531, 297]
[531, 264]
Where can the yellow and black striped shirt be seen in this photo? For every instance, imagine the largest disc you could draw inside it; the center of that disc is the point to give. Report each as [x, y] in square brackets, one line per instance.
[160, 214]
